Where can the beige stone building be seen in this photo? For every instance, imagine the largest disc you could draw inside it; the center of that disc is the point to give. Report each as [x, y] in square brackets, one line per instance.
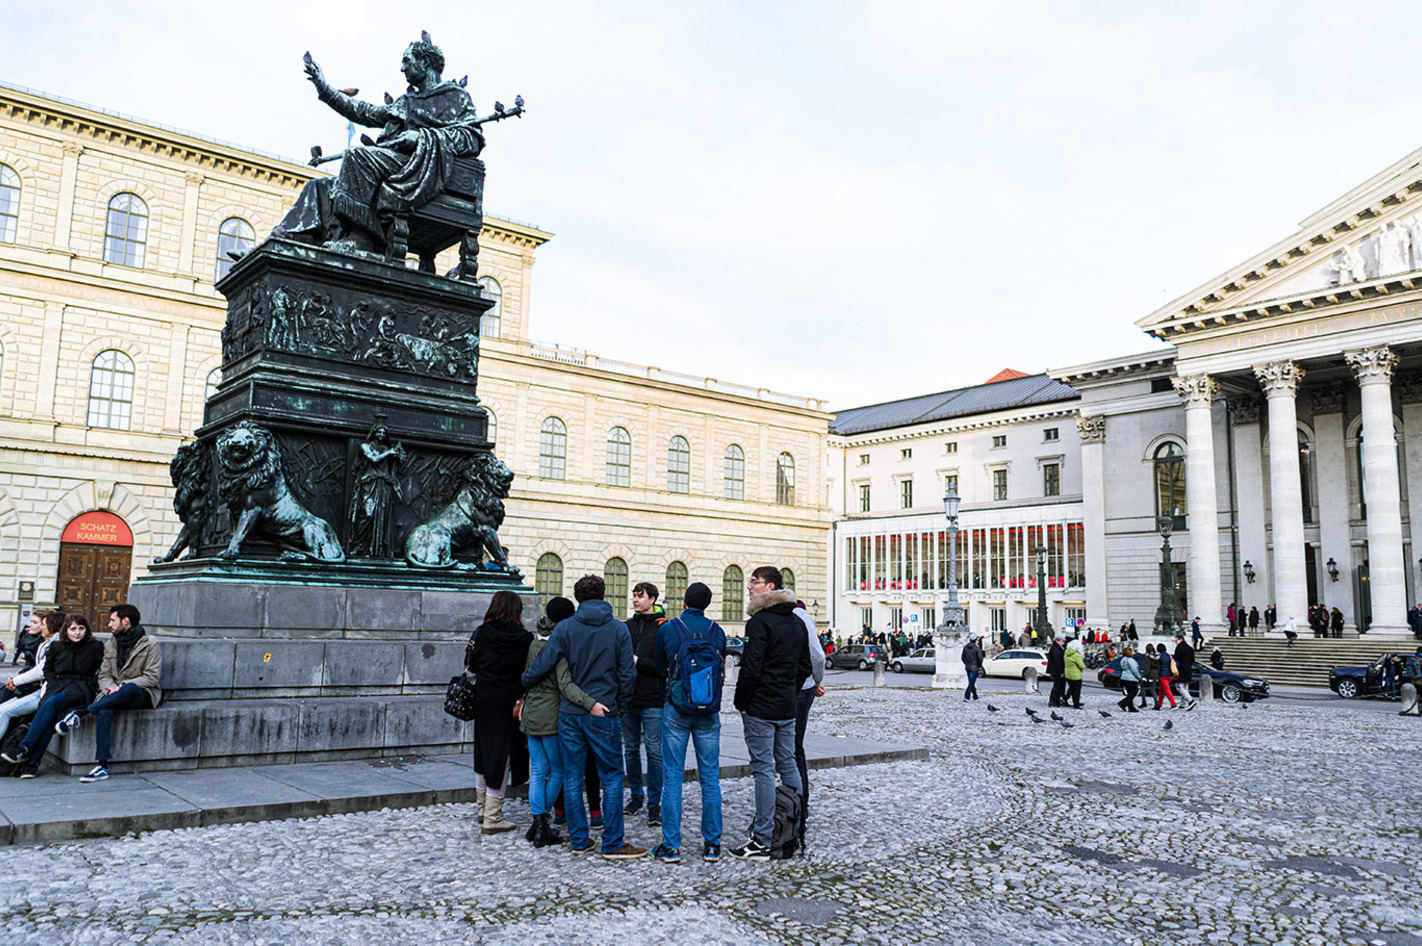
[112, 232]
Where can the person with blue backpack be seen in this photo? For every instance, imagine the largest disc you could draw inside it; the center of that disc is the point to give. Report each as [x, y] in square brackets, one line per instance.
[774, 665]
[691, 653]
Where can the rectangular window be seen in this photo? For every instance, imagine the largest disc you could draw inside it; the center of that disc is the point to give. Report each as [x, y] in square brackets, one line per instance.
[906, 494]
[1056, 558]
[864, 459]
[865, 558]
[999, 485]
[999, 620]
[896, 618]
[1076, 555]
[896, 562]
[1016, 549]
[866, 618]
[950, 483]
[950, 447]
[906, 453]
[980, 575]
[851, 563]
[930, 618]
[881, 562]
[999, 440]
[863, 497]
[911, 561]
[997, 557]
[1050, 434]
[1051, 479]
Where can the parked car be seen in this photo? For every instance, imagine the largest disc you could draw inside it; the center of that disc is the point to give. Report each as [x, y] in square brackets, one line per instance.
[1368, 680]
[856, 656]
[920, 661]
[1230, 687]
[734, 646]
[1015, 663]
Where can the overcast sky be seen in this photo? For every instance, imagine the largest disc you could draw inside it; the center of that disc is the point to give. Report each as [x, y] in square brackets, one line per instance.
[851, 200]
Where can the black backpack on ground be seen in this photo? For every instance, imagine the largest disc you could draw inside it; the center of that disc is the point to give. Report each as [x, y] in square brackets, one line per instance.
[10, 747]
[785, 834]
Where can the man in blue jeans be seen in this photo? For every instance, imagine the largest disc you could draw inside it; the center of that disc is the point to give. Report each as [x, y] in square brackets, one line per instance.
[642, 723]
[683, 722]
[599, 653]
[774, 664]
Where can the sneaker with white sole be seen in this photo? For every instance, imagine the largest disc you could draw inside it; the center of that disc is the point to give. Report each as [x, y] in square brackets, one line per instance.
[68, 724]
[97, 774]
[753, 850]
[15, 758]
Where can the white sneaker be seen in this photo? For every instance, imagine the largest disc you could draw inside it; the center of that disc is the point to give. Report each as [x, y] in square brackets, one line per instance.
[97, 774]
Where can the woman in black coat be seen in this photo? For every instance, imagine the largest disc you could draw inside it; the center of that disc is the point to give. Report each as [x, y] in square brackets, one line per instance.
[71, 680]
[497, 654]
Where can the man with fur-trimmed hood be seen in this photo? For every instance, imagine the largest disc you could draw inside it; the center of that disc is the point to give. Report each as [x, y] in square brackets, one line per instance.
[774, 664]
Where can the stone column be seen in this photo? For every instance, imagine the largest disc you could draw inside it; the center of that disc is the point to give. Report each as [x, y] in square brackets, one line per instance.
[1373, 368]
[1330, 464]
[1201, 504]
[68, 177]
[1249, 490]
[1280, 381]
[1409, 389]
[1092, 431]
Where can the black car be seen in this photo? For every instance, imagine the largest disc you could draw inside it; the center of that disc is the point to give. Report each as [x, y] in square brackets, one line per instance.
[1371, 680]
[734, 646]
[1230, 687]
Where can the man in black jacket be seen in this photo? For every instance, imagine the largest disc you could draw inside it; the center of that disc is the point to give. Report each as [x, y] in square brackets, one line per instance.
[1184, 666]
[1056, 669]
[643, 719]
[973, 664]
[774, 664]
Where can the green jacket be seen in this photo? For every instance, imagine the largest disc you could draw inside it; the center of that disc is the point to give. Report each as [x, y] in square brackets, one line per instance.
[1074, 664]
[540, 704]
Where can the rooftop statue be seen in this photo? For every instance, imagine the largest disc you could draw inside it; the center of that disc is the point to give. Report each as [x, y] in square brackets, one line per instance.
[421, 134]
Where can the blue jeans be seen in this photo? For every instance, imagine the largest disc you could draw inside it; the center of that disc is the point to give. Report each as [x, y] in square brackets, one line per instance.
[17, 708]
[128, 696]
[545, 764]
[42, 726]
[602, 735]
[705, 734]
[971, 693]
[770, 743]
[636, 724]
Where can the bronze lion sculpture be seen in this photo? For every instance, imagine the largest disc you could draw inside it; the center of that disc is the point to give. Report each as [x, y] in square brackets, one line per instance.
[469, 525]
[189, 473]
[252, 485]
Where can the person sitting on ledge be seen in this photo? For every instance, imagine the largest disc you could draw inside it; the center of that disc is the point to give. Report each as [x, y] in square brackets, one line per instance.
[70, 667]
[128, 679]
[422, 132]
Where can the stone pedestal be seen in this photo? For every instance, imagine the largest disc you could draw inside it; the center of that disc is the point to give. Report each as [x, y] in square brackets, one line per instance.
[949, 673]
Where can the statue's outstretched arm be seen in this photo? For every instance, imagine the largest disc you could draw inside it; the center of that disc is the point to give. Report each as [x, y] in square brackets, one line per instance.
[352, 109]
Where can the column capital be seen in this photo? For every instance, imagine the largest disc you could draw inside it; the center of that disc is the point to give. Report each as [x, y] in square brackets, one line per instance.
[1092, 429]
[1196, 390]
[194, 178]
[72, 149]
[1245, 408]
[1372, 365]
[1326, 398]
[1279, 378]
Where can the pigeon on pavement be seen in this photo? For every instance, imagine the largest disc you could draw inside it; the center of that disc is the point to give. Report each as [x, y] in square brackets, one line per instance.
[1038, 719]
[1056, 717]
[1104, 714]
[992, 709]
[1169, 724]
[1065, 724]
[1031, 711]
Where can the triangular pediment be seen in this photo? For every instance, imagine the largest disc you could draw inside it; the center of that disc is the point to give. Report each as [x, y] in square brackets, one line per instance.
[1371, 235]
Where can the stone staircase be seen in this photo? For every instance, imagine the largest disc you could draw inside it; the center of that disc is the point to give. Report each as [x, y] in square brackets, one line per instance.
[1305, 664]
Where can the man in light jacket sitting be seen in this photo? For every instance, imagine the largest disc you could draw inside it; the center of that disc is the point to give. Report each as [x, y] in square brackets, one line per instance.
[128, 679]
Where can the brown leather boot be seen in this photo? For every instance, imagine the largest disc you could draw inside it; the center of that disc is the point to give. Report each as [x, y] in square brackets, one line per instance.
[494, 822]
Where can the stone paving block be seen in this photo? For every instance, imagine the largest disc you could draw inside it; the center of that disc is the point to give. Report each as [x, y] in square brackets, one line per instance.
[250, 727]
[448, 780]
[190, 664]
[350, 786]
[48, 816]
[328, 724]
[420, 721]
[238, 794]
[364, 663]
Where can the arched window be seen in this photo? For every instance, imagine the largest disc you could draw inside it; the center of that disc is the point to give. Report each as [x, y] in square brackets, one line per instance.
[1170, 483]
[787, 579]
[1306, 476]
[675, 599]
[492, 324]
[614, 579]
[679, 465]
[548, 577]
[553, 450]
[785, 480]
[111, 391]
[491, 426]
[9, 204]
[126, 231]
[619, 457]
[214, 378]
[234, 236]
[735, 473]
[733, 594]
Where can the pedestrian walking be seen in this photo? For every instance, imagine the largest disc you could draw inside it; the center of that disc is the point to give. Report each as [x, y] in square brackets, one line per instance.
[1184, 669]
[1056, 669]
[1130, 680]
[973, 663]
[1074, 666]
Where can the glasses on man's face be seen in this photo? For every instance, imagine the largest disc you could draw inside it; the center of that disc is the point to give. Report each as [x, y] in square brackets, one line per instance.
[753, 582]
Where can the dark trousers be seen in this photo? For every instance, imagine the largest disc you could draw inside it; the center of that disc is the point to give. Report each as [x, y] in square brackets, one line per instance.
[803, 701]
[1073, 694]
[971, 693]
[1058, 691]
[1129, 702]
[42, 726]
[128, 696]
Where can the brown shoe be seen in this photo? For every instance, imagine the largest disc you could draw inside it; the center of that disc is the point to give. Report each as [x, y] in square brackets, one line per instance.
[625, 853]
[494, 822]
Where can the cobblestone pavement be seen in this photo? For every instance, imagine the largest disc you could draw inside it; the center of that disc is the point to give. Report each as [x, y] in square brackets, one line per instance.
[1259, 825]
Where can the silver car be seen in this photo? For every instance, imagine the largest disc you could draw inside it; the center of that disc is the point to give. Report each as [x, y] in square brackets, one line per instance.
[920, 661]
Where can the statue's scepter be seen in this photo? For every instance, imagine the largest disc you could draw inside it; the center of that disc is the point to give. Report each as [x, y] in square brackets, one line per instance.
[318, 157]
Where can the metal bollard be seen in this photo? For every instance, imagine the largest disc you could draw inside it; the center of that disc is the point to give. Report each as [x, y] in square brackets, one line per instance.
[733, 671]
[1029, 680]
[878, 673]
[1410, 706]
[1207, 688]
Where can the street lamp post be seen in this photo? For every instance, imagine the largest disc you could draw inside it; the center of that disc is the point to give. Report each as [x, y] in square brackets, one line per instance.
[1167, 615]
[1042, 626]
[948, 636]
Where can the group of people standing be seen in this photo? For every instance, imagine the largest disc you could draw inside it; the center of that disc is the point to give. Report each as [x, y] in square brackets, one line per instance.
[572, 706]
[70, 675]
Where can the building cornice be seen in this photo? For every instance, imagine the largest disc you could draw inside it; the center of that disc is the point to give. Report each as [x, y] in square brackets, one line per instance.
[959, 425]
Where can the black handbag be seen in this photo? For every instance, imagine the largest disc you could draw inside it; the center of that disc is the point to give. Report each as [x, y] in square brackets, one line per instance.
[459, 698]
